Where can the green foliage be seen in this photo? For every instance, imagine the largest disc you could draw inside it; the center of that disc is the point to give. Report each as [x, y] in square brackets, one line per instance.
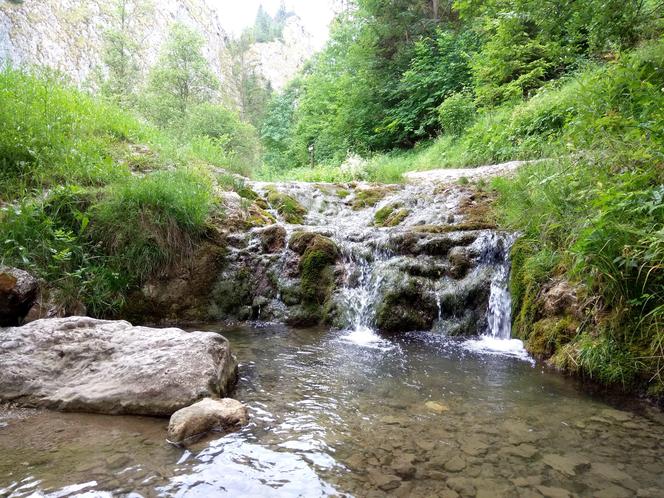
[180, 80]
[151, 222]
[122, 50]
[514, 62]
[93, 200]
[267, 28]
[237, 139]
[456, 114]
[439, 68]
[602, 214]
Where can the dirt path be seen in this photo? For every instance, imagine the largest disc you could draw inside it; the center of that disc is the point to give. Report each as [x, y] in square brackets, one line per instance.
[452, 175]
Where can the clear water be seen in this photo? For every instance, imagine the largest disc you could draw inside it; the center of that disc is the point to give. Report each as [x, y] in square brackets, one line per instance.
[351, 413]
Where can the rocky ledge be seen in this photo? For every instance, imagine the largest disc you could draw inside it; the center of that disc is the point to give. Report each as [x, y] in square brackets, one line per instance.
[83, 364]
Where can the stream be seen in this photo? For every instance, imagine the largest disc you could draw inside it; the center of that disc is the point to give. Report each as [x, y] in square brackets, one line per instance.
[455, 409]
[335, 414]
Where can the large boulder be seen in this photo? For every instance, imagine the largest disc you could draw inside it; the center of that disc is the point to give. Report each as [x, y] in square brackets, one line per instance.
[207, 415]
[18, 292]
[83, 364]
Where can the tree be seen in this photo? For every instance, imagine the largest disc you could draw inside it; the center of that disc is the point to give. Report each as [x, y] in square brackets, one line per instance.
[251, 91]
[122, 50]
[181, 78]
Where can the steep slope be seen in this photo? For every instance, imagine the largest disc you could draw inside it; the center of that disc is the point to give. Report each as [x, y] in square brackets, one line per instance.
[68, 34]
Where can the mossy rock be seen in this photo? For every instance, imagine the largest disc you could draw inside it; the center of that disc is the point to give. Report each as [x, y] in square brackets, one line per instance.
[390, 215]
[550, 334]
[259, 217]
[272, 238]
[342, 193]
[304, 315]
[406, 306]
[368, 197]
[292, 211]
[316, 268]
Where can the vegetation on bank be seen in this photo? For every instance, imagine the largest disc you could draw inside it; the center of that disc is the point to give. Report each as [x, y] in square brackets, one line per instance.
[92, 199]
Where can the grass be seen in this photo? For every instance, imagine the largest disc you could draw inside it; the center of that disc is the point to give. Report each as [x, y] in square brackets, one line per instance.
[596, 217]
[93, 200]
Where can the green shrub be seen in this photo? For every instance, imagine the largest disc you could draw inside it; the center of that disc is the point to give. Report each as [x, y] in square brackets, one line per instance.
[456, 113]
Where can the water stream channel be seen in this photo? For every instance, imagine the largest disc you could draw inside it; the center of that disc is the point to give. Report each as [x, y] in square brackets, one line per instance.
[347, 411]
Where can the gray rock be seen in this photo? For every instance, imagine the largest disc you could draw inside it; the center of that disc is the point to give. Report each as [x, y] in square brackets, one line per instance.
[551, 492]
[207, 415]
[567, 464]
[82, 364]
[18, 291]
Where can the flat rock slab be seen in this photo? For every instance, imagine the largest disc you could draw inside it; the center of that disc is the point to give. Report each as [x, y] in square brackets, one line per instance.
[97, 366]
[450, 175]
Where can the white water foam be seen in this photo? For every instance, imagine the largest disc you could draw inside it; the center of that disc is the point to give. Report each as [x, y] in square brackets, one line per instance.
[493, 345]
[366, 337]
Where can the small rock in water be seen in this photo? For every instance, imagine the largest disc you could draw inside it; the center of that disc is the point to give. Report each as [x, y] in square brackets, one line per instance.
[566, 464]
[193, 422]
[386, 482]
[455, 464]
[436, 407]
[551, 492]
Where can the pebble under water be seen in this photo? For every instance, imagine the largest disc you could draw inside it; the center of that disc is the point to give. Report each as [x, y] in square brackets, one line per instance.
[344, 414]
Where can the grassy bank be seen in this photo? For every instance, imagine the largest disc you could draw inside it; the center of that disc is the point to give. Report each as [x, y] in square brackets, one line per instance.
[93, 199]
[595, 217]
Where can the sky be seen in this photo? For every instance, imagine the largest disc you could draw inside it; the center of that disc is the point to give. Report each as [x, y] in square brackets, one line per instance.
[315, 14]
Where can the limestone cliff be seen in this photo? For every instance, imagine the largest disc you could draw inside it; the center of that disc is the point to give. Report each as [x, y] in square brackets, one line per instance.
[68, 34]
[278, 61]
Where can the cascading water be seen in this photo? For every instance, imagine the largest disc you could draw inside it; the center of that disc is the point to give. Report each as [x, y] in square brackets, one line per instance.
[500, 300]
[418, 273]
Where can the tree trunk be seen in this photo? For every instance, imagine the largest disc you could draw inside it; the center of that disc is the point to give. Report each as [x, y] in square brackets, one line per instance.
[434, 4]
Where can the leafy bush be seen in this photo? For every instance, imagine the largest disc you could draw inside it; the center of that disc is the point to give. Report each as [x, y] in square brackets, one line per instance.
[238, 140]
[456, 113]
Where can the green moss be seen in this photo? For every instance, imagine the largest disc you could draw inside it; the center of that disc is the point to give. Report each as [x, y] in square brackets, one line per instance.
[368, 197]
[319, 254]
[550, 334]
[342, 193]
[292, 211]
[390, 215]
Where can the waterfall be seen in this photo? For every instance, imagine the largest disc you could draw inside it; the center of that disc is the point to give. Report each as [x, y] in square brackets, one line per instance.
[499, 314]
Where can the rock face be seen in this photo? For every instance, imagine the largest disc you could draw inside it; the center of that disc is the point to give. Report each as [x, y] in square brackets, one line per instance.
[219, 415]
[68, 34]
[82, 364]
[278, 61]
[18, 292]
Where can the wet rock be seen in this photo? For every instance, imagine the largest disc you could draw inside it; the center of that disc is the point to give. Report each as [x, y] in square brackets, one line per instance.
[455, 464]
[406, 304]
[82, 364]
[522, 451]
[474, 447]
[609, 472]
[436, 407]
[461, 485]
[385, 482]
[207, 415]
[403, 466]
[559, 297]
[273, 238]
[551, 492]
[613, 491]
[569, 465]
[18, 291]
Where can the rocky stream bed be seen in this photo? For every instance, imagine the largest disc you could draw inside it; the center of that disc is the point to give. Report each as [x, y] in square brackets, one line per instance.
[375, 359]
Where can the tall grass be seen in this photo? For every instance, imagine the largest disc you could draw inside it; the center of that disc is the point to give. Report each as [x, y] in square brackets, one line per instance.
[600, 211]
[94, 200]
